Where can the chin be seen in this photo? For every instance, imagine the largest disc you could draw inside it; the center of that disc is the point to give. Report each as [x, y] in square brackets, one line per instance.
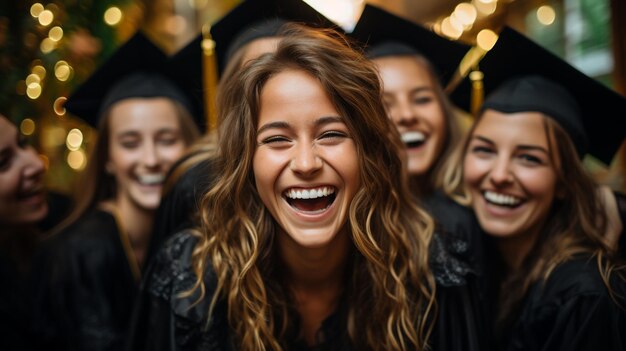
[148, 204]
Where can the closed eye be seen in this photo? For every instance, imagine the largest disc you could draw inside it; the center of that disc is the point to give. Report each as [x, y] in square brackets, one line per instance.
[275, 139]
[421, 100]
[333, 134]
[481, 150]
[530, 159]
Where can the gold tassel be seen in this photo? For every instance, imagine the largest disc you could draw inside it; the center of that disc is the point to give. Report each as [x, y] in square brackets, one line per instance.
[476, 77]
[209, 74]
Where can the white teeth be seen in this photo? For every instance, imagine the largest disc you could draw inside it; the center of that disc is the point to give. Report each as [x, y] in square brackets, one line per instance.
[501, 199]
[310, 193]
[151, 179]
[413, 137]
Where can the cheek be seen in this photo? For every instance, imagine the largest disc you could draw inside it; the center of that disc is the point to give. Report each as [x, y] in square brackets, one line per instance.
[473, 171]
[122, 159]
[9, 183]
[171, 153]
[435, 117]
[346, 161]
[541, 185]
[263, 168]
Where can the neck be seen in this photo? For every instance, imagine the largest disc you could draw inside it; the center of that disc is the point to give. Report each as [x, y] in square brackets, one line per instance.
[515, 249]
[316, 279]
[136, 222]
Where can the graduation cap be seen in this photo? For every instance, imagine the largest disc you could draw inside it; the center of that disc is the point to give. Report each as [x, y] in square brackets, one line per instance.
[520, 75]
[384, 34]
[184, 69]
[138, 68]
[255, 19]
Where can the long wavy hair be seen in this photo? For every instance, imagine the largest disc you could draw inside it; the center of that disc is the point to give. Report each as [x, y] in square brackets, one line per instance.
[575, 226]
[388, 269]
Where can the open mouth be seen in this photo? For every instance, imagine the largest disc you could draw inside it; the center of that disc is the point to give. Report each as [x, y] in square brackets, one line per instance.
[310, 200]
[502, 199]
[413, 139]
[28, 194]
[151, 179]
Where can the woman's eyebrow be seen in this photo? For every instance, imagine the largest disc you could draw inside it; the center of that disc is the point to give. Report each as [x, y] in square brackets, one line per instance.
[277, 125]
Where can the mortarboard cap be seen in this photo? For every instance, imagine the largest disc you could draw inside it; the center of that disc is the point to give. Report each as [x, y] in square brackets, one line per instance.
[184, 69]
[138, 68]
[385, 34]
[255, 19]
[520, 75]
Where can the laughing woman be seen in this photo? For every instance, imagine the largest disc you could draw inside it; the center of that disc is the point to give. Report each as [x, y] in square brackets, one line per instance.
[91, 266]
[554, 277]
[309, 240]
[22, 207]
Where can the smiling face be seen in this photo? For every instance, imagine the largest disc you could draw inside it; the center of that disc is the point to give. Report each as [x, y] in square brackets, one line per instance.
[145, 139]
[305, 163]
[411, 102]
[22, 193]
[510, 175]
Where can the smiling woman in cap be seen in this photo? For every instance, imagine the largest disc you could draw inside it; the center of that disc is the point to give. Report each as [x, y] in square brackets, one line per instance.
[554, 275]
[91, 267]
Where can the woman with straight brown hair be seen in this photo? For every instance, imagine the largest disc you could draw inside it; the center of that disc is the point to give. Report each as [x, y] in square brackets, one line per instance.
[554, 277]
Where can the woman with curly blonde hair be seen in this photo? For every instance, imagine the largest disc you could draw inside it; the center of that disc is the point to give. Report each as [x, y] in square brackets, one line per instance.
[309, 238]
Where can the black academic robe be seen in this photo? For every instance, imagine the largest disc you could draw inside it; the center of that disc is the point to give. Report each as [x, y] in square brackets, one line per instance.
[179, 206]
[15, 334]
[456, 259]
[165, 321]
[572, 310]
[85, 287]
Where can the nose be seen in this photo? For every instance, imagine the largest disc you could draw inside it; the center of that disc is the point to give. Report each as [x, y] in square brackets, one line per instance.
[403, 114]
[33, 165]
[305, 160]
[150, 157]
[500, 173]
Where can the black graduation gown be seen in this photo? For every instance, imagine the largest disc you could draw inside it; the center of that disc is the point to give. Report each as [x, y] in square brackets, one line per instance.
[179, 206]
[163, 321]
[571, 311]
[15, 320]
[85, 287]
[456, 259]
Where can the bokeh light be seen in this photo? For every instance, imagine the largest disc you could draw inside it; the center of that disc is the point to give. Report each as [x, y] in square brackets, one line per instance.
[546, 15]
[36, 9]
[46, 17]
[55, 33]
[76, 159]
[112, 16]
[27, 127]
[74, 139]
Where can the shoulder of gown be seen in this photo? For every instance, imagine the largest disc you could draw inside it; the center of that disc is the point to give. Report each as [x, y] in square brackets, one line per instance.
[83, 286]
[573, 310]
[167, 315]
[178, 207]
[456, 248]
